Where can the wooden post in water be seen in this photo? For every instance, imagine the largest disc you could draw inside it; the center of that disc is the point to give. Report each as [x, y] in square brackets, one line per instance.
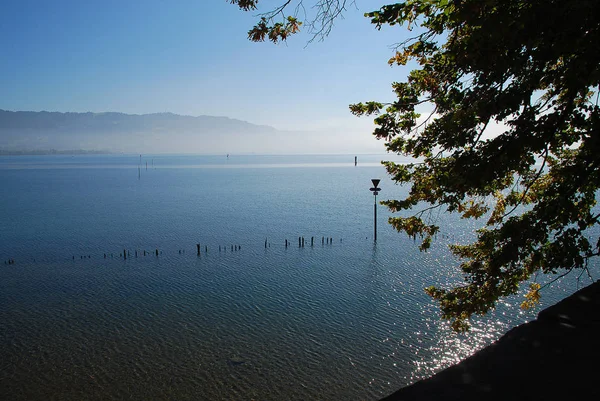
[205, 248]
[265, 243]
[312, 241]
[124, 254]
[156, 252]
[299, 242]
[198, 246]
[302, 242]
[322, 240]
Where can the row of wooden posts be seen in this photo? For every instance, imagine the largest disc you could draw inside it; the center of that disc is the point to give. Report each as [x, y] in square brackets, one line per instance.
[127, 254]
[329, 241]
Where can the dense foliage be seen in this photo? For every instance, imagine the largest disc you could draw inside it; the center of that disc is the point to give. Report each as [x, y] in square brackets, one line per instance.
[513, 137]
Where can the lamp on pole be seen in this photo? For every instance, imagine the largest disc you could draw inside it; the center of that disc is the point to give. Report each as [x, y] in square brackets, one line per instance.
[375, 191]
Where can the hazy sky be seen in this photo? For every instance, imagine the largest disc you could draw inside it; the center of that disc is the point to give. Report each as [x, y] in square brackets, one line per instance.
[191, 57]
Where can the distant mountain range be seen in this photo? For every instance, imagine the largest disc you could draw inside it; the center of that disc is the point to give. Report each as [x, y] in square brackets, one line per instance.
[117, 132]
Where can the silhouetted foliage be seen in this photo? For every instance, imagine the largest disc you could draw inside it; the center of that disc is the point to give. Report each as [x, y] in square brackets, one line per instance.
[530, 69]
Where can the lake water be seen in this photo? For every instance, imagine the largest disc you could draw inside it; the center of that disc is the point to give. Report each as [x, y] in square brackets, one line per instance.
[345, 319]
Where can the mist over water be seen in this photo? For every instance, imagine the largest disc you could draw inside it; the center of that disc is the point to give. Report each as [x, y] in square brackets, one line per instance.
[341, 319]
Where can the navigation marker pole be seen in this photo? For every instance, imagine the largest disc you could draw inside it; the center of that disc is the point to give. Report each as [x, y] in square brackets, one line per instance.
[375, 191]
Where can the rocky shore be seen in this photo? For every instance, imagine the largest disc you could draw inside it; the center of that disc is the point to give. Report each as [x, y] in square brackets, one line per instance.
[555, 357]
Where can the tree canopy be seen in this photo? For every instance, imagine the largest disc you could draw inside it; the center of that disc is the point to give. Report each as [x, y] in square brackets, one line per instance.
[531, 69]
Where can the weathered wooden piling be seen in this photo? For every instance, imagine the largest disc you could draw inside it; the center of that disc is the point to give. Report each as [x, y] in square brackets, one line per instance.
[286, 243]
[198, 248]
[157, 252]
[312, 241]
[299, 242]
[124, 254]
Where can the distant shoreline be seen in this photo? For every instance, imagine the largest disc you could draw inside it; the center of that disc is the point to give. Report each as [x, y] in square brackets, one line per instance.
[4, 152]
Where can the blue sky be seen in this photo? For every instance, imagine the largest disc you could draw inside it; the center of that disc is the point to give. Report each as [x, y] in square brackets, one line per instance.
[191, 57]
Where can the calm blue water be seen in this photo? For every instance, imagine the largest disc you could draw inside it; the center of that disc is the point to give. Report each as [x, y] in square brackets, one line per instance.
[346, 320]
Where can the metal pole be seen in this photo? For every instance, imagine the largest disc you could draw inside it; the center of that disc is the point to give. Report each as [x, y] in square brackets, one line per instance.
[375, 218]
[375, 191]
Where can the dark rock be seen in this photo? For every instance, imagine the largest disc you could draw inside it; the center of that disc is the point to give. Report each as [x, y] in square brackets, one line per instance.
[554, 357]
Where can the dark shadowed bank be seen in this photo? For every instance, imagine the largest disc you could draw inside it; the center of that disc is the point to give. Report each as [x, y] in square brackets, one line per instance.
[555, 357]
